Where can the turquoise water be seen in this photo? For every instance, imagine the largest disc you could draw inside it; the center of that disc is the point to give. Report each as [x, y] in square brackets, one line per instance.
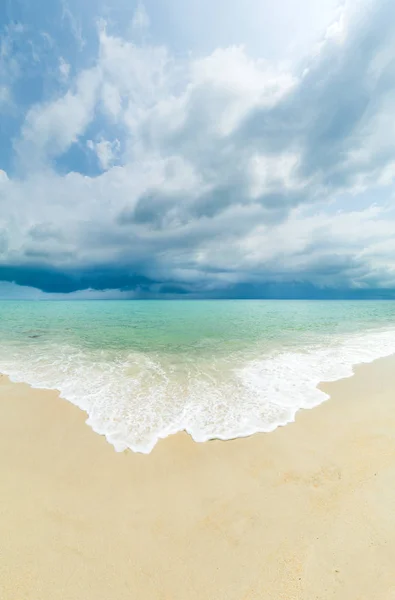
[219, 369]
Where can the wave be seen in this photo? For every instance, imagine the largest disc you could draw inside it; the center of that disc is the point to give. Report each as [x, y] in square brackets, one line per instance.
[135, 399]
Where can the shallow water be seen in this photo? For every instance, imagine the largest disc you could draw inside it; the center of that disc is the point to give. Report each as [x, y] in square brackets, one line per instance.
[218, 369]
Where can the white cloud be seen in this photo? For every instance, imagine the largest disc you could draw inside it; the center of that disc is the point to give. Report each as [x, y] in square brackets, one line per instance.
[141, 19]
[10, 68]
[74, 24]
[229, 77]
[107, 152]
[278, 172]
[139, 75]
[50, 129]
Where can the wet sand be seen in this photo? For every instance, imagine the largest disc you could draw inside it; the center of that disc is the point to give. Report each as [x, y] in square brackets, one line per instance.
[306, 512]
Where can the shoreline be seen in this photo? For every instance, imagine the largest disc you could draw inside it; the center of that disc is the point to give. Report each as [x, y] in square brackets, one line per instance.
[320, 387]
[304, 512]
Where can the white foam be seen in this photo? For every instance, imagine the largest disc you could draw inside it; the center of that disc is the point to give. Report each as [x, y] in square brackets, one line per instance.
[134, 399]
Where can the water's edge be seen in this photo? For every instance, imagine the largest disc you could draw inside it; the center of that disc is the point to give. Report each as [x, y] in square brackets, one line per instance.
[323, 398]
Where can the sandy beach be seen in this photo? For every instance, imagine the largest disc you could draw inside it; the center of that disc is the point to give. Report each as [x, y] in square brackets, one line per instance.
[306, 512]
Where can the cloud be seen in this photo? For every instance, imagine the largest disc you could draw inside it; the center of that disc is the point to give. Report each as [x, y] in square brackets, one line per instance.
[10, 69]
[219, 175]
[50, 129]
[74, 24]
[64, 69]
[141, 20]
[107, 152]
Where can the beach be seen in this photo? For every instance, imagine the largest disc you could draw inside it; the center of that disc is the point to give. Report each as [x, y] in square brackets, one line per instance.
[197, 300]
[306, 512]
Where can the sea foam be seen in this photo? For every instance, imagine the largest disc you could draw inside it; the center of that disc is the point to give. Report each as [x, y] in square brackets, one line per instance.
[134, 399]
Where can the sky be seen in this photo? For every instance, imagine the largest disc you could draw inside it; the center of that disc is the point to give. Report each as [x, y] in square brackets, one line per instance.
[200, 149]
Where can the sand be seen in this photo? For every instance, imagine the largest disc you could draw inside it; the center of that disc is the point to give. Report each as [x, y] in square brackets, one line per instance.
[306, 512]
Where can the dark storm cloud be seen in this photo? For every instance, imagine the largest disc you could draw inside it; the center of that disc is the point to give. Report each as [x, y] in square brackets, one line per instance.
[52, 281]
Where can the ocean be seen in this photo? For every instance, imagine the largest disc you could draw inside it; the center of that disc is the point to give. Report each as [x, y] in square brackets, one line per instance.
[143, 370]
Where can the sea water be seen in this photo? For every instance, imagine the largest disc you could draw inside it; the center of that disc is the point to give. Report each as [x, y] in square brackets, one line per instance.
[143, 370]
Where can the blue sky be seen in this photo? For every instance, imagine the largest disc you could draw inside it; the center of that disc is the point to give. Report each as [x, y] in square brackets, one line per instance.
[200, 149]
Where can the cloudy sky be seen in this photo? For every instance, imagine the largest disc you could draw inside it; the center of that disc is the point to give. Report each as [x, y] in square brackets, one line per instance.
[198, 149]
